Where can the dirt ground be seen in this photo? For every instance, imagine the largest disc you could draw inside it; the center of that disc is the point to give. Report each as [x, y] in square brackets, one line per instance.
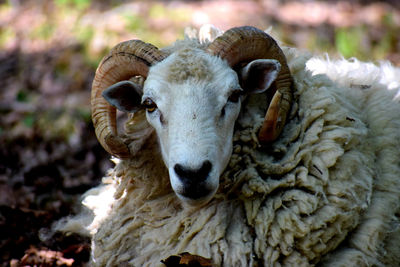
[49, 155]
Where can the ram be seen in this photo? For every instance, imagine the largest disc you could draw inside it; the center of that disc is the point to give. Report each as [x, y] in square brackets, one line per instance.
[245, 153]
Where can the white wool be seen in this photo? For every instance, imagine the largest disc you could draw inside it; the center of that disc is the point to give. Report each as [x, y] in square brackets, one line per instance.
[326, 192]
[97, 204]
[357, 73]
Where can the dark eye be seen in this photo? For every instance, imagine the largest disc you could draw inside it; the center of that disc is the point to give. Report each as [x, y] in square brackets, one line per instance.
[235, 96]
[149, 105]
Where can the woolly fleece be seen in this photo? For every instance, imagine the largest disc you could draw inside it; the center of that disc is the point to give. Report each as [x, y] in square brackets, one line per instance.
[326, 192]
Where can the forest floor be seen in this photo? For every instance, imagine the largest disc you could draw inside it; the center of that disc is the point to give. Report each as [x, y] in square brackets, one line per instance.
[49, 155]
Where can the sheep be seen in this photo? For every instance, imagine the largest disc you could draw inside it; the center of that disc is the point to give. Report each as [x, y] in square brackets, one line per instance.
[278, 158]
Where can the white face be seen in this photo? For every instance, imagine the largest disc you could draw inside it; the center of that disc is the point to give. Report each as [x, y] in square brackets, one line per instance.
[193, 111]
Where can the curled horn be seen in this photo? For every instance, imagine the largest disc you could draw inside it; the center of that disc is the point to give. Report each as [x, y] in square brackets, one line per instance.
[244, 44]
[125, 60]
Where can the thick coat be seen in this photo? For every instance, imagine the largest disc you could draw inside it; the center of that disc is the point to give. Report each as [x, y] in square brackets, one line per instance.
[327, 191]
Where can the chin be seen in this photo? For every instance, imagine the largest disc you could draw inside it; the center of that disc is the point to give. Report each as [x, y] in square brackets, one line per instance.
[198, 202]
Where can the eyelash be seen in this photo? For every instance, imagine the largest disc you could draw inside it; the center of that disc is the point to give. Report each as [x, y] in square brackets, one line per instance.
[149, 105]
[235, 96]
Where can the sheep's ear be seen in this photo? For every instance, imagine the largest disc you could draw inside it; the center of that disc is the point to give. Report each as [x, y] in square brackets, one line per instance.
[125, 96]
[257, 76]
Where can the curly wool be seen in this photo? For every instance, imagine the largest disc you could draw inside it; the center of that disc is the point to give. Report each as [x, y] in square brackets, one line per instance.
[327, 191]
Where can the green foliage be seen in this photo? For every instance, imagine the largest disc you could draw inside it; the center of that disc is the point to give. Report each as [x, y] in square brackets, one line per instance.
[29, 120]
[56, 124]
[159, 11]
[78, 4]
[385, 45]
[366, 43]
[44, 31]
[140, 27]
[22, 96]
[83, 114]
[318, 42]
[134, 22]
[5, 5]
[348, 41]
[6, 35]
[84, 34]
[388, 20]
[390, 39]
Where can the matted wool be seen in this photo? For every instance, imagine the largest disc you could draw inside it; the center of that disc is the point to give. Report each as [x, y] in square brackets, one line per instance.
[327, 191]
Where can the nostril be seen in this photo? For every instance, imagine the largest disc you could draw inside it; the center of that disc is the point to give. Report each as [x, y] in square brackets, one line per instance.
[190, 176]
[180, 170]
[205, 168]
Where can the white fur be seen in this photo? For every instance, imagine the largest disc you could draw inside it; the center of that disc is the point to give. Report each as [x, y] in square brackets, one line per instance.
[327, 192]
[188, 121]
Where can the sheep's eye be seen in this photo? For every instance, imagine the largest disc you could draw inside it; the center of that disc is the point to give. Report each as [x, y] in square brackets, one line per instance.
[149, 105]
[235, 96]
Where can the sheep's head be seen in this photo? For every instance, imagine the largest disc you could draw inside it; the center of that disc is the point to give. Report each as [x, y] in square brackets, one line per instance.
[192, 99]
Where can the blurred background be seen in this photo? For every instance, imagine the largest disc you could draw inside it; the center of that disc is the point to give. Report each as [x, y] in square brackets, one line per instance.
[49, 51]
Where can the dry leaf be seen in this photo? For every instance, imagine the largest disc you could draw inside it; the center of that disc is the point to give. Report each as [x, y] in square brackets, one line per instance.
[44, 257]
[186, 259]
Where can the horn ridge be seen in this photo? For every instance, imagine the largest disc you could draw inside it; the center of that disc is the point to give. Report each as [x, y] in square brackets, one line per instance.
[125, 60]
[247, 43]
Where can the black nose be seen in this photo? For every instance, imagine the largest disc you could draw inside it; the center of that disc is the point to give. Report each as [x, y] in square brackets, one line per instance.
[189, 176]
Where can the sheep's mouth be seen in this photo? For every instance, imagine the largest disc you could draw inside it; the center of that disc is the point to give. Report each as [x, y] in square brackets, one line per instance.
[196, 191]
[195, 201]
[196, 194]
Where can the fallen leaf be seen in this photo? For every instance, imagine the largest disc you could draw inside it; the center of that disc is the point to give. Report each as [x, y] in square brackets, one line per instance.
[186, 259]
[44, 257]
